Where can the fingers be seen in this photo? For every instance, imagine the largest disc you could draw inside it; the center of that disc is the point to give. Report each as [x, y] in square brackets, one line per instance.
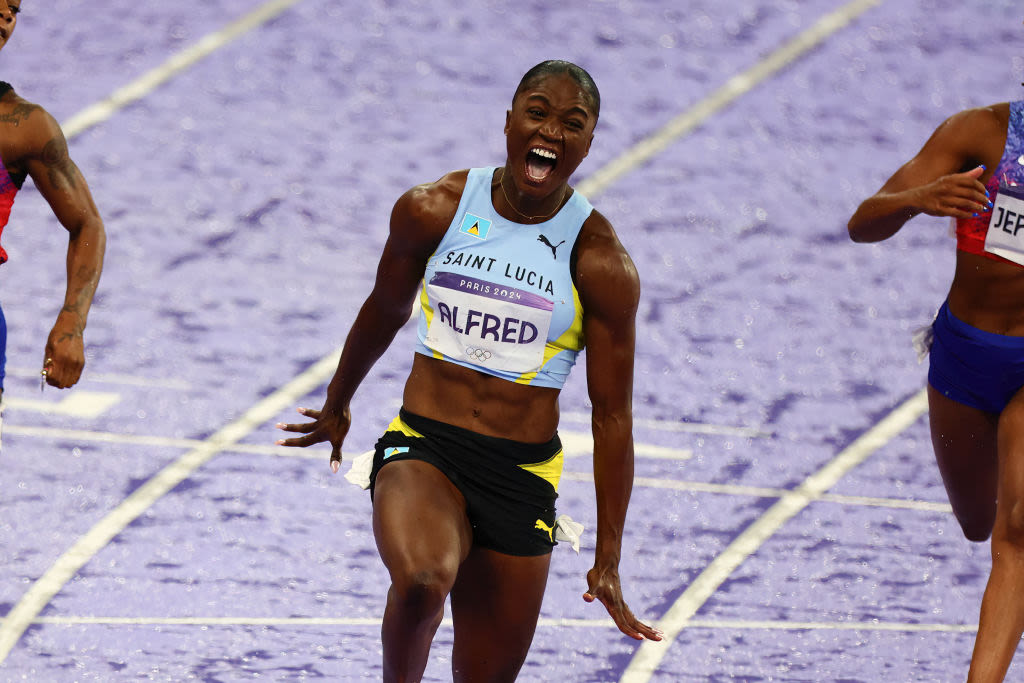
[624, 619]
[301, 427]
[63, 360]
[968, 201]
[646, 631]
[61, 372]
[632, 626]
[976, 172]
[303, 441]
[335, 458]
[960, 195]
[315, 432]
[975, 192]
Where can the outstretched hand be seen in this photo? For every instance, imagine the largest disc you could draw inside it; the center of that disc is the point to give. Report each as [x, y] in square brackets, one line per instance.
[604, 586]
[326, 426]
[958, 195]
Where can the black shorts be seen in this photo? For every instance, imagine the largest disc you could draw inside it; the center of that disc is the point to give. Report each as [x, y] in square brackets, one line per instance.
[510, 487]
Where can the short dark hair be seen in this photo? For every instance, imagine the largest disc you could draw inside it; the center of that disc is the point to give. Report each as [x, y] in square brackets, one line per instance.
[553, 67]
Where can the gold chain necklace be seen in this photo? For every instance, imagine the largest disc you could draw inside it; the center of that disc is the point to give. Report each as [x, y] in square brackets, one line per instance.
[501, 184]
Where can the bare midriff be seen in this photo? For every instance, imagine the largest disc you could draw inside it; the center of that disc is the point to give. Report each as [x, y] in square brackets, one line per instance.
[487, 405]
[988, 294]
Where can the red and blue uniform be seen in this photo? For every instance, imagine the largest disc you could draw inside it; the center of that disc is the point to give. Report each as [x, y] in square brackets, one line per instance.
[971, 232]
[974, 367]
[8, 189]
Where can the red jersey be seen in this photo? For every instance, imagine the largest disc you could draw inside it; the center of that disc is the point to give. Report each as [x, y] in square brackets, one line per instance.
[7, 191]
[971, 232]
[7, 188]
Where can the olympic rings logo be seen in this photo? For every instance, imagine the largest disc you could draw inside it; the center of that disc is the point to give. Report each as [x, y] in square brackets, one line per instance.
[478, 354]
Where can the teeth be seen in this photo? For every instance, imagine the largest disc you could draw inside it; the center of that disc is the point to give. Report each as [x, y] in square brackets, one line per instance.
[544, 153]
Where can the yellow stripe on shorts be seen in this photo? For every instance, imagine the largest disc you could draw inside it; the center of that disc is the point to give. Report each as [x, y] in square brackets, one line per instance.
[549, 470]
[398, 426]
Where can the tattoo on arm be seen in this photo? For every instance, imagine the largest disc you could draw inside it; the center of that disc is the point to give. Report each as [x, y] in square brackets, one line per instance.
[59, 166]
[87, 279]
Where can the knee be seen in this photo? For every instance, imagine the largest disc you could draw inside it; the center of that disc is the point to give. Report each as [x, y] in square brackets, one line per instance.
[1011, 420]
[421, 592]
[1013, 526]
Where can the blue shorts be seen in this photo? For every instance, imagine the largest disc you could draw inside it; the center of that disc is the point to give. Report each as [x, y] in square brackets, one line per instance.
[980, 369]
[510, 487]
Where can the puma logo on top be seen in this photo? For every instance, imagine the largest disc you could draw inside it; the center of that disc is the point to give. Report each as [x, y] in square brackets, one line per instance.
[552, 247]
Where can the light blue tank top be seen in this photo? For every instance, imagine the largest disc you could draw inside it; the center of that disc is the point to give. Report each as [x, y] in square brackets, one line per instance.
[498, 296]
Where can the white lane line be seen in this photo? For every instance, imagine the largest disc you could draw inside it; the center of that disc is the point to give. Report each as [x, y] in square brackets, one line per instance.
[831, 626]
[43, 590]
[581, 444]
[573, 448]
[283, 621]
[149, 81]
[649, 655]
[763, 492]
[673, 426]
[52, 434]
[131, 380]
[897, 503]
[736, 86]
[81, 403]
[699, 486]
[544, 622]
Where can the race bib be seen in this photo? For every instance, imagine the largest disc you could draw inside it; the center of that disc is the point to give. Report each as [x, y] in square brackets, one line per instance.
[480, 322]
[1005, 235]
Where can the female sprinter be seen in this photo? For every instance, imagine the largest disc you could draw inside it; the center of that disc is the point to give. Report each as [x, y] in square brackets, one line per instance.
[513, 270]
[32, 144]
[970, 169]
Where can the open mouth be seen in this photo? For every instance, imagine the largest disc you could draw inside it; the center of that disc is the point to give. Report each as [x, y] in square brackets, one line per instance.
[540, 163]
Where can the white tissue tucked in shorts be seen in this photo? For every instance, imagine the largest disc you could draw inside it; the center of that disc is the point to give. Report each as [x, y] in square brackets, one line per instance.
[569, 531]
[359, 473]
[923, 337]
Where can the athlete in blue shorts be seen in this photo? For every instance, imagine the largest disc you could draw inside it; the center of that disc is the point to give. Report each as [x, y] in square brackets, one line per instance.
[970, 170]
[32, 145]
[513, 271]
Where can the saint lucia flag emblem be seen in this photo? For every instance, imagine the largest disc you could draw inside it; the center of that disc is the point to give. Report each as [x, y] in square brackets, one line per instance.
[395, 450]
[475, 226]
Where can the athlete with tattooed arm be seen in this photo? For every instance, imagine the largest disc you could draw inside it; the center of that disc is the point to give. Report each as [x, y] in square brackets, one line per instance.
[32, 145]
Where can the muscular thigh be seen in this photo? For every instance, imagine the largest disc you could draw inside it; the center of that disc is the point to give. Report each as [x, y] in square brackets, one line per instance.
[964, 440]
[419, 517]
